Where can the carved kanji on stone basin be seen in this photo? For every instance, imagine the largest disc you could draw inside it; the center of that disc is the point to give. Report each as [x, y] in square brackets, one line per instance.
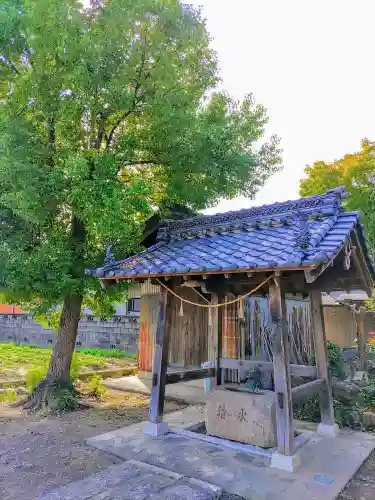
[242, 416]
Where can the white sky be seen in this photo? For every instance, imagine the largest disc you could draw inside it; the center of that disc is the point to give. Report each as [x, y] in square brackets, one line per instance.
[311, 64]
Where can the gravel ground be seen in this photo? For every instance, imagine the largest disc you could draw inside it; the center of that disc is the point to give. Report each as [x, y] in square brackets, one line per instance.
[362, 486]
[38, 454]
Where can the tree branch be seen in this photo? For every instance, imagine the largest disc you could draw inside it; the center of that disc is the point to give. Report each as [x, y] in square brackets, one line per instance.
[99, 138]
[7, 62]
[52, 134]
[142, 162]
[109, 138]
[15, 70]
[136, 100]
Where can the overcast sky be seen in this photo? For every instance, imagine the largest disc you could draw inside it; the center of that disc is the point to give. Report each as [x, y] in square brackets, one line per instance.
[311, 64]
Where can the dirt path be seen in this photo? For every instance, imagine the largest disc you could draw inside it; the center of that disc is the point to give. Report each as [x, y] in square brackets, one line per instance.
[38, 454]
[362, 486]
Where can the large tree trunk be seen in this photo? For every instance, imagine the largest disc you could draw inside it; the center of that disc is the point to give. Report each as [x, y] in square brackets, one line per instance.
[58, 374]
[61, 359]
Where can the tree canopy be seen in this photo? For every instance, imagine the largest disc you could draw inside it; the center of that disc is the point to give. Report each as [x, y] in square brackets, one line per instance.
[107, 114]
[356, 172]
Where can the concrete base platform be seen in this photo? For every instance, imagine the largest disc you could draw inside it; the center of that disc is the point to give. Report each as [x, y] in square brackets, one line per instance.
[326, 464]
[155, 430]
[188, 392]
[285, 462]
[328, 431]
[134, 480]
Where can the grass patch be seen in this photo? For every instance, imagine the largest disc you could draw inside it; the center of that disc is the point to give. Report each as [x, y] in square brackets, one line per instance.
[18, 361]
[106, 353]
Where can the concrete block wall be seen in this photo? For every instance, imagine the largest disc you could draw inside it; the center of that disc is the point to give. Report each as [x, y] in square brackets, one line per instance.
[120, 332]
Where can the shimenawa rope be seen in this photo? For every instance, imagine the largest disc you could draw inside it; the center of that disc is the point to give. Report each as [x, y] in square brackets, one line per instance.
[209, 306]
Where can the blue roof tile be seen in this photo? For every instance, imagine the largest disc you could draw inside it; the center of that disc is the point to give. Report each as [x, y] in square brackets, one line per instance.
[304, 232]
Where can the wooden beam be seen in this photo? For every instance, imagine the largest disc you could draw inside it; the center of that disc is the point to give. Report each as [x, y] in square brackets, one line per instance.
[361, 339]
[184, 376]
[326, 403]
[284, 412]
[212, 273]
[159, 367]
[304, 371]
[304, 391]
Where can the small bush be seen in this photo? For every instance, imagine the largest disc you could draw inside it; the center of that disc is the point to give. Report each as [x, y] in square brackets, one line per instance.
[34, 377]
[75, 368]
[336, 362]
[309, 410]
[347, 415]
[9, 396]
[66, 401]
[96, 387]
[368, 396]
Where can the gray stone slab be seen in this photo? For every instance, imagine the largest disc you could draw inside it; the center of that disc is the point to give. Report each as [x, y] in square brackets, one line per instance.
[190, 392]
[140, 487]
[238, 473]
[94, 484]
[185, 490]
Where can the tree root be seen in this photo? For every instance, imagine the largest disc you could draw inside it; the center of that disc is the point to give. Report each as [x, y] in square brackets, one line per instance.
[45, 395]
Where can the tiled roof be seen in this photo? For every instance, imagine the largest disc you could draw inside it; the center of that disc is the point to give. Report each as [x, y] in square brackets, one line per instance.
[10, 309]
[293, 234]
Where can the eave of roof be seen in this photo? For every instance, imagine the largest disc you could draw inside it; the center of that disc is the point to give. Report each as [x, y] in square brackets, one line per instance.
[294, 235]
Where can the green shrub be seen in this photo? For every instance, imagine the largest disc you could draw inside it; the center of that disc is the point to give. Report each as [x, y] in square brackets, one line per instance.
[9, 396]
[336, 362]
[34, 376]
[368, 396]
[96, 387]
[75, 368]
[310, 410]
[66, 401]
[347, 415]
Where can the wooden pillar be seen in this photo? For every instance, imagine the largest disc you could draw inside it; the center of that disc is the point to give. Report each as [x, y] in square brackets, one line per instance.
[155, 425]
[220, 310]
[212, 318]
[361, 339]
[283, 395]
[326, 404]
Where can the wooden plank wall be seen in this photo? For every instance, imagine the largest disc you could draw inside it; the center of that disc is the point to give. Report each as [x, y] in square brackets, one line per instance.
[230, 336]
[188, 340]
[189, 333]
[340, 325]
[300, 330]
[230, 329]
[147, 331]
